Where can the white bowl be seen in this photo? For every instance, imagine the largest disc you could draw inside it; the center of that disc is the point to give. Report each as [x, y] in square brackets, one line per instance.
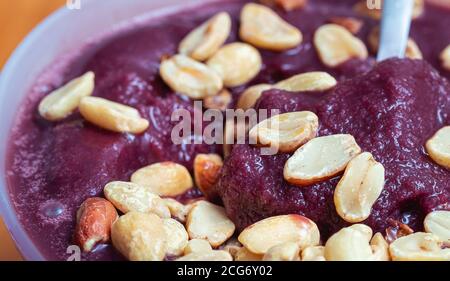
[61, 33]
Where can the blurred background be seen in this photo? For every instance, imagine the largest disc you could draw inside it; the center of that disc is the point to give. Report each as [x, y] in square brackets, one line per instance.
[17, 19]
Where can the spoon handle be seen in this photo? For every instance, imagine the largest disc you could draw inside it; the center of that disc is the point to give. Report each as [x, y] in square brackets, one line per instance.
[395, 25]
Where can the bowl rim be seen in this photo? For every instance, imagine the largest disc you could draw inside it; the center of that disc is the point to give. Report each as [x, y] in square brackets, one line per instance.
[22, 240]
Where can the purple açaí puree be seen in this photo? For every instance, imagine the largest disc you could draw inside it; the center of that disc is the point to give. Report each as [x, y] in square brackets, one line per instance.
[54, 167]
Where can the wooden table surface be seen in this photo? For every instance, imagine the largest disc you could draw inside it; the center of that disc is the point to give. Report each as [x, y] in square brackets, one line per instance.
[17, 18]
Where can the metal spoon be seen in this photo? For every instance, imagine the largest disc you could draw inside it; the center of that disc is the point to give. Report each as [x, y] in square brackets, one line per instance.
[395, 25]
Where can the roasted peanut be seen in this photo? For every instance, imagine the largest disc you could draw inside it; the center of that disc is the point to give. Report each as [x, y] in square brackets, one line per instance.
[286, 131]
[263, 28]
[112, 116]
[164, 179]
[189, 77]
[320, 159]
[63, 101]
[359, 188]
[236, 63]
[263, 235]
[202, 42]
[209, 221]
[336, 45]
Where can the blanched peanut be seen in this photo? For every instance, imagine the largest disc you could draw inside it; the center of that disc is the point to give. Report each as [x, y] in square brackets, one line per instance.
[202, 42]
[197, 246]
[320, 159]
[263, 235]
[189, 77]
[359, 188]
[63, 101]
[218, 255]
[438, 223]
[288, 251]
[245, 255]
[313, 253]
[177, 210]
[112, 116]
[286, 131]
[236, 63]
[127, 196]
[350, 244]
[445, 58]
[177, 237]
[380, 248]
[309, 81]
[140, 237]
[249, 97]
[419, 246]
[263, 28]
[206, 172]
[221, 101]
[209, 221]
[164, 179]
[438, 147]
[336, 45]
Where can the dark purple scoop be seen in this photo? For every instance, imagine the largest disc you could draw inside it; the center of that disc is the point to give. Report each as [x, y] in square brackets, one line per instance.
[391, 111]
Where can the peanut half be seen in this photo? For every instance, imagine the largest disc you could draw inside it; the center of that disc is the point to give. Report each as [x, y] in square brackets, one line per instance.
[380, 248]
[309, 81]
[236, 63]
[177, 237]
[438, 147]
[112, 116]
[419, 246]
[267, 233]
[164, 179]
[320, 159]
[189, 77]
[197, 246]
[206, 173]
[63, 101]
[336, 45]
[202, 42]
[359, 188]
[94, 220]
[438, 223]
[209, 221]
[353, 243]
[249, 97]
[286, 131]
[289, 251]
[127, 196]
[313, 253]
[263, 28]
[445, 58]
[140, 237]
